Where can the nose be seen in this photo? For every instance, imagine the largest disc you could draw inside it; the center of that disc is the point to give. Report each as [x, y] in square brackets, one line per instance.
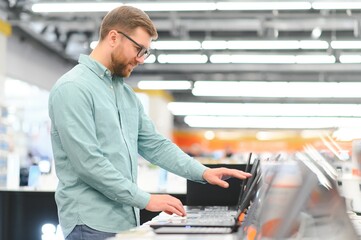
[140, 60]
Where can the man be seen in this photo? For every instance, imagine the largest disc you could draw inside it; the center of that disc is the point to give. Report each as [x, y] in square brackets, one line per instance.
[98, 129]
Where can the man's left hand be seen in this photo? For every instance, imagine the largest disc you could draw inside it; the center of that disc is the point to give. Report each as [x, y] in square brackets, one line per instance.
[216, 176]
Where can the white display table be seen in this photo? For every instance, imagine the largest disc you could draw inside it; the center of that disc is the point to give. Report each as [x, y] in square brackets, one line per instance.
[145, 232]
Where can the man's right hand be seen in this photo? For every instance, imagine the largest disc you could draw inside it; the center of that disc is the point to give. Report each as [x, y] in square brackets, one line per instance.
[165, 203]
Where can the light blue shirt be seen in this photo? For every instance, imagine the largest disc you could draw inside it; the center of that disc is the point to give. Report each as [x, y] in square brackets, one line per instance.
[98, 129]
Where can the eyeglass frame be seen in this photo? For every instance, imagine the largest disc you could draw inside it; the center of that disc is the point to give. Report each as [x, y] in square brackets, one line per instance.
[143, 51]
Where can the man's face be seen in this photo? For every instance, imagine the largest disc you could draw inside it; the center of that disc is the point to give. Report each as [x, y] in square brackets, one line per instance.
[124, 57]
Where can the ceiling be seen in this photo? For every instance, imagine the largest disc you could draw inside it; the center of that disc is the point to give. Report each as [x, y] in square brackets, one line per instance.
[69, 34]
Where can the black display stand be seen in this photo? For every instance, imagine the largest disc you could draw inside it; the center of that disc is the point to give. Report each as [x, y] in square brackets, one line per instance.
[199, 194]
[23, 213]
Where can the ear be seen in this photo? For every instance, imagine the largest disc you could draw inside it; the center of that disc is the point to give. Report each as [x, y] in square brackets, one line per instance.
[112, 38]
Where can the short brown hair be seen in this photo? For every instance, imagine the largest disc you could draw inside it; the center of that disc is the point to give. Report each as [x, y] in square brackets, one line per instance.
[127, 19]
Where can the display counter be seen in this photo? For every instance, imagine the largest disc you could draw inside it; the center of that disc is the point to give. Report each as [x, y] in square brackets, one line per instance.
[145, 232]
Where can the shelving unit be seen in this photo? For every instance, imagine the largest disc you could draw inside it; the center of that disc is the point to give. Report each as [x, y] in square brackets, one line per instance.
[4, 146]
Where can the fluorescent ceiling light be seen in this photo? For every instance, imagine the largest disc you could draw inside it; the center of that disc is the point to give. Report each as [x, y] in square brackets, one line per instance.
[214, 44]
[315, 59]
[107, 6]
[346, 44]
[347, 134]
[269, 59]
[176, 6]
[220, 58]
[278, 89]
[336, 5]
[165, 85]
[182, 58]
[271, 122]
[224, 58]
[75, 7]
[264, 109]
[265, 45]
[176, 45]
[277, 44]
[67, 7]
[313, 44]
[350, 58]
[263, 5]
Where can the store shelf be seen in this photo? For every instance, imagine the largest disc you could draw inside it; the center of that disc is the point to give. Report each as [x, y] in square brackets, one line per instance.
[4, 146]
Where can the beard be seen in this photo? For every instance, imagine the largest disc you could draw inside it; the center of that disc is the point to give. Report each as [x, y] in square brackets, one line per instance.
[121, 67]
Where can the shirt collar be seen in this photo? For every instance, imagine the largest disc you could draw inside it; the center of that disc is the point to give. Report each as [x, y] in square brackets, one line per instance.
[98, 68]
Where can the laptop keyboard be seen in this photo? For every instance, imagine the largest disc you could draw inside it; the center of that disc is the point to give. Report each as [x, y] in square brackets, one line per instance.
[213, 216]
[193, 230]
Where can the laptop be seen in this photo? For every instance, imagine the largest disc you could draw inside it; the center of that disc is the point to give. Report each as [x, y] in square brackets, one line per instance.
[212, 219]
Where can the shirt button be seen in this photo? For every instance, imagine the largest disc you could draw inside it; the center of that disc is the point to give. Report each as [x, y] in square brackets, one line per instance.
[111, 87]
[102, 75]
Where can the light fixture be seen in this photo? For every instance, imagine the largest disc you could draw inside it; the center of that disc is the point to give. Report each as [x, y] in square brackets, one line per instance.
[313, 44]
[174, 6]
[316, 33]
[264, 109]
[256, 44]
[107, 6]
[265, 44]
[247, 58]
[66, 7]
[165, 85]
[182, 58]
[350, 58]
[209, 135]
[278, 89]
[347, 134]
[336, 5]
[272, 59]
[246, 6]
[214, 45]
[176, 45]
[346, 44]
[93, 44]
[308, 59]
[271, 122]
[245, 45]
[69, 7]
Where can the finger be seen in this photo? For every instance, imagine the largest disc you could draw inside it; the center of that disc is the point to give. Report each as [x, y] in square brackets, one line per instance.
[236, 173]
[179, 206]
[221, 183]
[174, 210]
[175, 202]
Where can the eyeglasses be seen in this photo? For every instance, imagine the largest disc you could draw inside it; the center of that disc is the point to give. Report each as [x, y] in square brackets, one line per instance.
[142, 50]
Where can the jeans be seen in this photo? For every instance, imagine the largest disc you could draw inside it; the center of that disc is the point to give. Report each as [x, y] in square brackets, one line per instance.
[83, 232]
